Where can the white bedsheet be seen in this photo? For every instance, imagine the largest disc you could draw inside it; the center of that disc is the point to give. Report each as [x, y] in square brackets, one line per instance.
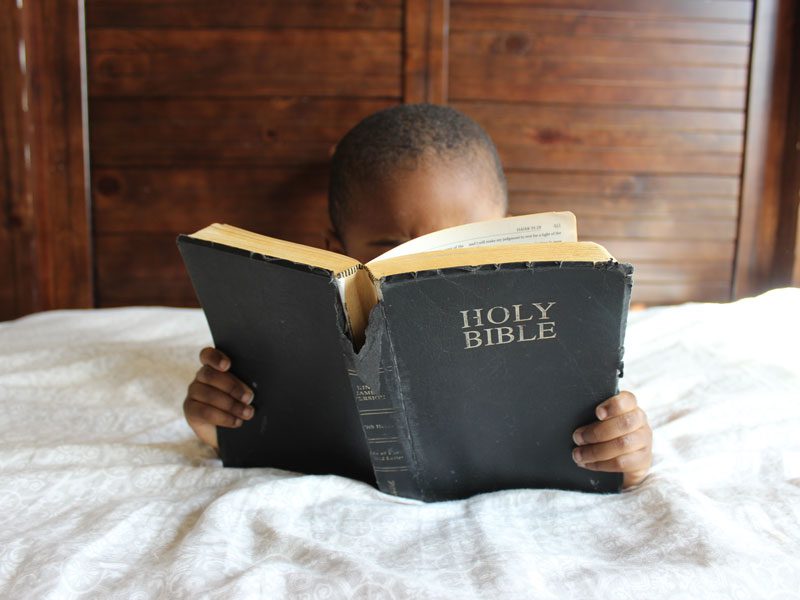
[105, 493]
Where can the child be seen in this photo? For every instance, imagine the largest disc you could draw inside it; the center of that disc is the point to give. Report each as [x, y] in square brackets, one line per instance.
[399, 174]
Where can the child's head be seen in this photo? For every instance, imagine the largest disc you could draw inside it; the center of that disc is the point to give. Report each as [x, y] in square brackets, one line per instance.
[410, 170]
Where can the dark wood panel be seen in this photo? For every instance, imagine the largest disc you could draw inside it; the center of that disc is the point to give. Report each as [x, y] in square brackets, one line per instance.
[538, 20]
[425, 51]
[623, 160]
[786, 270]
[17, 265]
[679, 292]
[141, 269]
[45, 199]
[680, 229]
[182, 14]
[761, 211]
[721, 10]
[469, 81]
[505, 118]
[687, 207]
[611, 54]
[593, 138]
[244, 63]
[289, 203]
[175, 132]
[636, 250]
[518, 66]
[543, 71]
[624, 185]
[715, 272]
[585, 136]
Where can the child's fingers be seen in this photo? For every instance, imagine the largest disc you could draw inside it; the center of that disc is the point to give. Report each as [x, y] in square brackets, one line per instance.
[636, 461]
[615, 406]
[214, 358]
[611, 428]
[206, 414]
[226, 382]
[211, 396]
[625, 444]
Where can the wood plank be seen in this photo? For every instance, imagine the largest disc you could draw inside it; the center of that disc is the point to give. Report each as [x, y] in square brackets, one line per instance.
[641, 26]
[620, 160]
[787, 269]
[505, 118]
[289, 203]
[483, 85]
[719, 10]
[521, 67]
[767, 116]
[54, 197]
[696, 271]
[636, 250]
[546, 70]
[698, 208]
[624, 185]
[614, 52]
[585, 136]
[655, 294]
[143, 269]
[244, 62]
[176, 131]
[292, 204]
[650, 227]
[425, 51]
[18, 284]
[257, 14]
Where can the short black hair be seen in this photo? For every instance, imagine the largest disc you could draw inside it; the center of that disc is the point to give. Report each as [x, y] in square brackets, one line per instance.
[397, 137]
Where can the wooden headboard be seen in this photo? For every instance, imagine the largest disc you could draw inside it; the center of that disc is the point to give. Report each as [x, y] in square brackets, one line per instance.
[653, 120]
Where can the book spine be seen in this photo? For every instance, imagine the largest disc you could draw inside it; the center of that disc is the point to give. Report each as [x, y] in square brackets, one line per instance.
[376, 391]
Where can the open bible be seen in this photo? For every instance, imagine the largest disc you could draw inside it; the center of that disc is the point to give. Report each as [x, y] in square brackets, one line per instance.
[457, 363]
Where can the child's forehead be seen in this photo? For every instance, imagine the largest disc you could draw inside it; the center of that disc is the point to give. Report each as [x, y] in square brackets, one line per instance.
[434, 190]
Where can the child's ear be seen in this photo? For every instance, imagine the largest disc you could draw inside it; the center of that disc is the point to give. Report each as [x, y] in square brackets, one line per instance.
[332, 242]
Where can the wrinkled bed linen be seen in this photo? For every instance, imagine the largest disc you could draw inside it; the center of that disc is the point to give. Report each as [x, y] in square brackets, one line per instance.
[105, 492]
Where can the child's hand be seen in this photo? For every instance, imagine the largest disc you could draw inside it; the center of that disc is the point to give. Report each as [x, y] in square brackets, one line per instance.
[620, 442]
[216, 398]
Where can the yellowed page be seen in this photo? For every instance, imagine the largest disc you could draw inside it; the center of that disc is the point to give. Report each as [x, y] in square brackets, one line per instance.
[465, 257]
[525, 229]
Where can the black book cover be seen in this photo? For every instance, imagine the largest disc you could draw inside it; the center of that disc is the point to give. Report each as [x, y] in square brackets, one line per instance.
[471, 379]
[486, 373]
[280, 323]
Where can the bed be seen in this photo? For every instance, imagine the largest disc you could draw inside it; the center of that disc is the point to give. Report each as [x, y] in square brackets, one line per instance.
[105, 492]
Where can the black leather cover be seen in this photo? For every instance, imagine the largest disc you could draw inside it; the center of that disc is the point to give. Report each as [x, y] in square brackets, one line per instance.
[492, 417]
[281, 323]
[437, 419]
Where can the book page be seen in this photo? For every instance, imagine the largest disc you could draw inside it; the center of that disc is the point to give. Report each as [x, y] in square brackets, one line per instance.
[525, 229]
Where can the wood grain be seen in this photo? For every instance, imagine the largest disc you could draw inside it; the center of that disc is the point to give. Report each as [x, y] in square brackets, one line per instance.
[244, 62]
[180, 132]
[764, 152]
[18, 285]
[613, 159]
[46, 200]
[245, 14]
[425, 51]
[696, 208]
[717, 10]
[290, 203]
[595, 24]
[625, 185]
